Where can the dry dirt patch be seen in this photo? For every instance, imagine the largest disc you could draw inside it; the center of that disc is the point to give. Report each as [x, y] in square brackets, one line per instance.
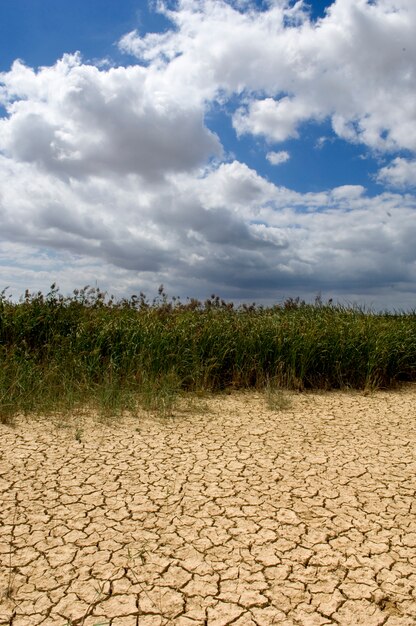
[233, 515]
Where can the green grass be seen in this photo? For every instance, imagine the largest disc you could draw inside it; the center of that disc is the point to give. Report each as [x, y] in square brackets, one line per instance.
[62, 353]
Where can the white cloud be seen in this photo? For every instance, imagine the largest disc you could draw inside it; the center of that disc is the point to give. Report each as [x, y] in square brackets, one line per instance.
[347, 192]
[400, 173]
[228, 231]
[276, 158]
[276, 120]
[356, 65]
[115, 174]
[75, 120]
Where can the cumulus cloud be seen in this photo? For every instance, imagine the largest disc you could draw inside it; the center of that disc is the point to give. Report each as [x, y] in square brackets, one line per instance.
[400, 173]
[276, 120]
[276, 158]
[228, 231]
[116, 173]
[74, 119]
[355, 65]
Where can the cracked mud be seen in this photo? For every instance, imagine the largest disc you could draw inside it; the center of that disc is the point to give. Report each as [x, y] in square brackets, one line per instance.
[232, 515]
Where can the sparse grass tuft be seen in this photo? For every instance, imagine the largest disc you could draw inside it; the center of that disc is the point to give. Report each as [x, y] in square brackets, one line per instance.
[161, 394]
[78, 434]
[277, 399]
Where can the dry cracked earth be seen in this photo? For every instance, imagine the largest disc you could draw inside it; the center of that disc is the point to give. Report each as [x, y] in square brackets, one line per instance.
[232, 514]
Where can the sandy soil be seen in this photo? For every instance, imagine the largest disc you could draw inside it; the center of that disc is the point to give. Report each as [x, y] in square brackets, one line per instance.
[231, 514]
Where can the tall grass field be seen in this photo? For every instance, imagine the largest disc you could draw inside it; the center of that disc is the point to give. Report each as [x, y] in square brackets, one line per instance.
[58, 353]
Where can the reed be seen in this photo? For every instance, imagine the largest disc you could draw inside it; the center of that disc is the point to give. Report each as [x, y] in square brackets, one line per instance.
[58, 353]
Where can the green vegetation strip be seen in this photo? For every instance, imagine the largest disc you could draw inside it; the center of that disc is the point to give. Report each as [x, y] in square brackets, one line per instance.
[58, 353]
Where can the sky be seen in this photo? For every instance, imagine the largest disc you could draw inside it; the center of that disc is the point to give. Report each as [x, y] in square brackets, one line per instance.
[255, 149]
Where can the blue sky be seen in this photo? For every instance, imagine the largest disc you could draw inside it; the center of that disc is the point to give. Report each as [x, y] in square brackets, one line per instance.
[258, 150]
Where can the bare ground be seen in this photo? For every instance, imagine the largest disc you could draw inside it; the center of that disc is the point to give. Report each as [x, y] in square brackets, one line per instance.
[232, 514]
